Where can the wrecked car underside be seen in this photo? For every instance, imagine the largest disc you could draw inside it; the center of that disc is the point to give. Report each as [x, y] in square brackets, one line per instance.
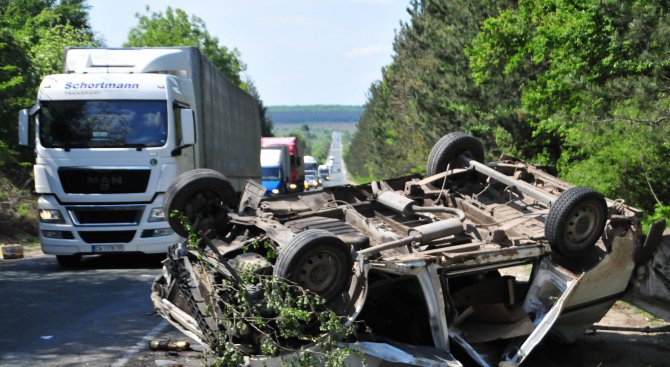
[473, 264]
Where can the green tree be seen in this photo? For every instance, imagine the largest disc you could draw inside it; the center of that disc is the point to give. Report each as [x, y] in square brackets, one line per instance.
[266, 123]
[15, 89]
[593, 82]
[427, 91]
[176, 28]
[33, 34]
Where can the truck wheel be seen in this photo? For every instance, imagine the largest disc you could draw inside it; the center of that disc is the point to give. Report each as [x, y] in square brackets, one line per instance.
[69, 261]
[449, 147]
[575, 221]
[318, 261]
[203, 196]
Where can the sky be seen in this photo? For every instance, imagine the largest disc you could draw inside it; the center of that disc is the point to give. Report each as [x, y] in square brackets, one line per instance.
[297, 52]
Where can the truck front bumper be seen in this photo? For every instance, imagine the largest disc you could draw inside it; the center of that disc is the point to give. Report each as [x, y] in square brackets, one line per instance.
[74, 235]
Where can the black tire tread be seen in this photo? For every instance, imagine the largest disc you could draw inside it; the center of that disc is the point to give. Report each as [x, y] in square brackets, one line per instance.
[449, 147]
[302, 242]
[69, 261]
[174, 195]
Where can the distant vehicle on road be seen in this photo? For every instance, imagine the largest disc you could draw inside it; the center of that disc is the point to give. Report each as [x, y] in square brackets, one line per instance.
[311, 165]
[295, 150]
[275, 169]
[324, 172]
[311, 182]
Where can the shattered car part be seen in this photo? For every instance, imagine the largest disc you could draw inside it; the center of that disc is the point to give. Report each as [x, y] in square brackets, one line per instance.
[422, 262]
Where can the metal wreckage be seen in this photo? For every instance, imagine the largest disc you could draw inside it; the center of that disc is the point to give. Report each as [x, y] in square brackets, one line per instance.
[424, 263]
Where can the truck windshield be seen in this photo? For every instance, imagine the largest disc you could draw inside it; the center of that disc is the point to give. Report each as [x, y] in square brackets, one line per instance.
[103, 124]
[271, 173]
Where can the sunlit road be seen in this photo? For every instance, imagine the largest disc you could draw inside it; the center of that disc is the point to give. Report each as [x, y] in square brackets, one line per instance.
[338, 173]
[96, 315]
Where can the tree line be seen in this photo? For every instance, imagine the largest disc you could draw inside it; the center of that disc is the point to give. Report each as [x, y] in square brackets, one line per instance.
[315, 113]
[578, 86]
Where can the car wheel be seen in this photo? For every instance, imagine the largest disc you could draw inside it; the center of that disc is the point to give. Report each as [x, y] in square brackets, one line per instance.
[575, 221]
[449, 147]
[318, 261]
[69, 261]
[203, 196]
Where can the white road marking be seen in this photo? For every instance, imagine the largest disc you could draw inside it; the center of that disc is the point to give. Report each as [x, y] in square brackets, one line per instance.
[141, 344]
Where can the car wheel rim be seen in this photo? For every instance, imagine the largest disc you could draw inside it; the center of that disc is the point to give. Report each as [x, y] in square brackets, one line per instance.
[581, 225]
[319, 272]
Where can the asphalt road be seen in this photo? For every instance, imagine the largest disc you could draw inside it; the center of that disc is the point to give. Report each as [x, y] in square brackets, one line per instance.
[338, 174]
[96, 315]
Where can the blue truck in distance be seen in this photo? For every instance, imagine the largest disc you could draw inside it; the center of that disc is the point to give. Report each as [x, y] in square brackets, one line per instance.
[275, 169]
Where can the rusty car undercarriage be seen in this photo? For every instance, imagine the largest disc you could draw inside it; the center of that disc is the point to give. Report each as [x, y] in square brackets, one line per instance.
[429, 264]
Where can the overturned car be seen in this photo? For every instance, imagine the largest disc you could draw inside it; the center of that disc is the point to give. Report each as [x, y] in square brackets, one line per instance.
[473, 264]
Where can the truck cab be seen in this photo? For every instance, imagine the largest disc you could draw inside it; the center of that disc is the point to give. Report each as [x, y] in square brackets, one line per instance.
[110, 135]
[275, 169]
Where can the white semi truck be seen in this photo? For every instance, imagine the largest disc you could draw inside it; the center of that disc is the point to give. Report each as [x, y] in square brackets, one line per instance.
[114, 131]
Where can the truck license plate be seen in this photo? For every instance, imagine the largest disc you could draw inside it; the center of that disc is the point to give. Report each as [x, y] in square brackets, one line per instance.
[107, 248]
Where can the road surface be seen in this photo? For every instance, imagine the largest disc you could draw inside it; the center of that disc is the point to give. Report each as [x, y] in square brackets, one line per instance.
[338, 172]
[97, 315]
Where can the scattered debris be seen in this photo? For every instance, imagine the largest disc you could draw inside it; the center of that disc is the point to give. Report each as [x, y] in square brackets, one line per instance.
[169, 345]
[12, 251]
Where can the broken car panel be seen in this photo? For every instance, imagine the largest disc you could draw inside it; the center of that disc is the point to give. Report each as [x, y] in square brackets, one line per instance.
[423, 262]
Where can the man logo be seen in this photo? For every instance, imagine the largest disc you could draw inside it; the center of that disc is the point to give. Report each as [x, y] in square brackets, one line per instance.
[104, 182]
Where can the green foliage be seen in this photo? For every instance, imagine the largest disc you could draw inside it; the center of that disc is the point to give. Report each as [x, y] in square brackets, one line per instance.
[660, 212]
[266, 124]
[426, 92]
[33, 34]
[314, 114]
[176, 28]
[591, 76]
[577, 85]
[47, 54]
[286, 316]
[315, 140]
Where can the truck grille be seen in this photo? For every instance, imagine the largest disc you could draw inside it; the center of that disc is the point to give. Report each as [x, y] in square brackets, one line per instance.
[102, 215]
[107, 236]
[76, 180]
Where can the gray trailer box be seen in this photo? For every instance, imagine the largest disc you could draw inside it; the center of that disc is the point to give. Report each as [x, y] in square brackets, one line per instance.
[228, 124]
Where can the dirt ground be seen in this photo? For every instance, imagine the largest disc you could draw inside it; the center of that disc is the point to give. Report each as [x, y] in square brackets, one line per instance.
[610, 348]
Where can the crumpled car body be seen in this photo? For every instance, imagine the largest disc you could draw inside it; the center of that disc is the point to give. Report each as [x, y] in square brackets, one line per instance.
[477, 260]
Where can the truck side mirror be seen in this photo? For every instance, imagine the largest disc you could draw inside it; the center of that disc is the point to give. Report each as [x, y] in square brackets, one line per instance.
[24, 127]
[187, 127]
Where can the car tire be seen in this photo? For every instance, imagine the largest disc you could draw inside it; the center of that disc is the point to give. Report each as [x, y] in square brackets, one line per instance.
[203, 196]
[69, 261]
[318, 261]
[575, 221]
[446, 151]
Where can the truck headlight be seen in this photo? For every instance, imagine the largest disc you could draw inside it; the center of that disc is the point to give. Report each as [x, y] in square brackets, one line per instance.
[157, 215]
[275, 191]
[293, 186]
[51, 216]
